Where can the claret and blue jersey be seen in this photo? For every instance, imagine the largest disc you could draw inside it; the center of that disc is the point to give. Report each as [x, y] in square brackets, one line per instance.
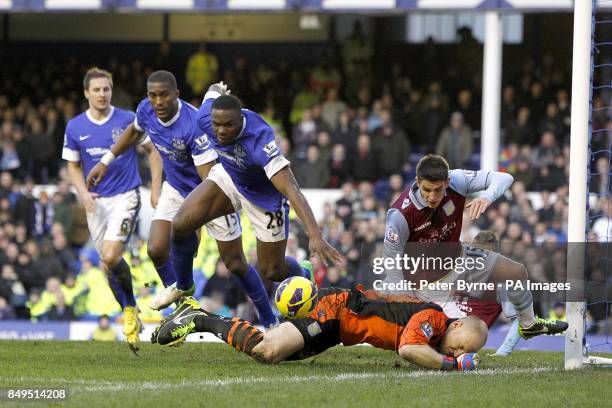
[181, 145]
[251, 160]
[86, 140]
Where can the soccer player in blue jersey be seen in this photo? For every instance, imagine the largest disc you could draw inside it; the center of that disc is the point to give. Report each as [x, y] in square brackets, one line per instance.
[171, 124]
[112, 205]
[252, 176]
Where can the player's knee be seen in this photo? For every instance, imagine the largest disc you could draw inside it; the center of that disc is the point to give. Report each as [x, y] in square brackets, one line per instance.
[180, 227]
[157, 252]
[110, 258]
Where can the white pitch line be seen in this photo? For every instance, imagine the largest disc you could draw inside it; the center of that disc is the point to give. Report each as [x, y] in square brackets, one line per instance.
[102, 385]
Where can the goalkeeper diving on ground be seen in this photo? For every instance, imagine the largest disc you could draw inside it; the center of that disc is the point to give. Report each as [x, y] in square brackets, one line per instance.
[418, 331]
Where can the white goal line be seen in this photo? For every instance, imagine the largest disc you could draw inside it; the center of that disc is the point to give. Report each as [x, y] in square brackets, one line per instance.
[102, 385]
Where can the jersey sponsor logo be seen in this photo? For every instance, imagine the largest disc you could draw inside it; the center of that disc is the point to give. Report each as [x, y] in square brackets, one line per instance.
[470, 173]
[202, 142]
[84, 137]
[405, 203]
[427, 329]
[240, 154]
[179, 144]
[449, 208]
[391, 236]
[96, 151]
[420, 227]
[271, 149]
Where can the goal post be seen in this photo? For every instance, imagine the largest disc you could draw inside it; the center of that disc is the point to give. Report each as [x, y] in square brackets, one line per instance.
[580, 155]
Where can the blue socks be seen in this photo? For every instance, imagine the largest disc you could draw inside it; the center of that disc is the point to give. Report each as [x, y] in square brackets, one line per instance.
[294, 268]
[166, 273]
[181, 254]
[254, 287]
[120, 282]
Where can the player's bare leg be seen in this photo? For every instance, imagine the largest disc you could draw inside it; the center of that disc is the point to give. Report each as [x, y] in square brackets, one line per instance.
[205, 203]
[275, 266]
[232, 254]
[529, 324]
[120, 282]
[274, 346]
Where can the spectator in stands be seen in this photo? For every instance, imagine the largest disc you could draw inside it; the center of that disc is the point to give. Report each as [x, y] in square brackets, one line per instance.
[544, 154]
[364, 163]
[509, 107]
[202, 70]
[314, 172]
[325, 147]
[520, 131]
[42, 150]
[602, 227]
[339, 170]
[391, 146]
[104, 331]
[331, 109]
[25, 208]
[6, 310]
[60, 311]
[456, 142]
[225, 283]
[471, 114]
[345, 133]
[325, 77]
[333, 278]
[357, 52]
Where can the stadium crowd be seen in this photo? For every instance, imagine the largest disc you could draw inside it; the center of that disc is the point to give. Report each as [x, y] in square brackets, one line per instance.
[342, 125]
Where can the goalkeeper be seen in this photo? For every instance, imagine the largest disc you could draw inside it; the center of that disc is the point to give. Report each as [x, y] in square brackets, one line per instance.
[419, 332]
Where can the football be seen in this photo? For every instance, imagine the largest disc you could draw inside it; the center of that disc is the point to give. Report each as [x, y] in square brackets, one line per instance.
[296, 297]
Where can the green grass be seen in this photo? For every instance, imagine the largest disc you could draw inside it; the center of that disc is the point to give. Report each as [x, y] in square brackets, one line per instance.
[213, 375]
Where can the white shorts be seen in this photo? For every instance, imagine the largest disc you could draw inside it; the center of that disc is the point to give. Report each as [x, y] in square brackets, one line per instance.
[114, 218]
[225, 228]
[269, 226]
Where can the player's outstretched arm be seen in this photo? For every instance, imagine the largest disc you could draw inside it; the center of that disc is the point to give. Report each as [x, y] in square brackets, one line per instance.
[285, 183]
[130, 137]
[155, 164]
[491, 184]
[75, 174]
[425, 356]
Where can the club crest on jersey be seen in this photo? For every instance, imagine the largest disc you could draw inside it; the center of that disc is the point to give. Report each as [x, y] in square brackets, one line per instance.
[202, 142]
[405, 203]
[391, 236]
[427, 329]
[271, 149]
[449, 208]
[116, 134]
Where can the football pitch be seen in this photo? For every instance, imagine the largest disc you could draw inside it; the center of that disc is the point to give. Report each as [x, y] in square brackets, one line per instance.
[214, 375]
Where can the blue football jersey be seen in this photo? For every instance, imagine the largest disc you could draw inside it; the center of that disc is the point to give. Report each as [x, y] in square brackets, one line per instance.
[180, 143]
[252, 159]
[86, 140]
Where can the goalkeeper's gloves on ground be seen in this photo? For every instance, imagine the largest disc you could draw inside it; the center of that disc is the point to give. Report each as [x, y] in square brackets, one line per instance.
[465, 362]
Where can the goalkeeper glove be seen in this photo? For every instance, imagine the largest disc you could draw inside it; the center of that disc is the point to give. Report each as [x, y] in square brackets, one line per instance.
[468, 361]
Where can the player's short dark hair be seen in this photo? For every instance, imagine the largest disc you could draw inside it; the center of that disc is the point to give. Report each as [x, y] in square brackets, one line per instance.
[227, 102]
[433, 168]
[96, 72]
[165, 77]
